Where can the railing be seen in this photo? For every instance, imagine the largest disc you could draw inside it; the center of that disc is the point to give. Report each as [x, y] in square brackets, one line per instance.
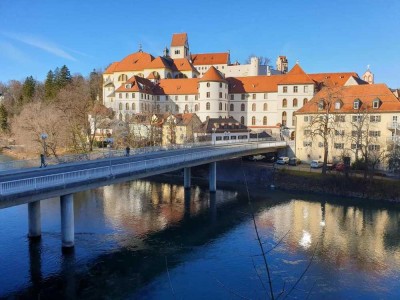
[145, 166]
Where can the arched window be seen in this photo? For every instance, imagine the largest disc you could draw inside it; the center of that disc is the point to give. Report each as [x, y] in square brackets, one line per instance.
[295, 102]
[265, 121]
[186, 108]
[242, 107]
[305, 101]
[284, 103]
[232, 107]
[169, 75]
[208, 106]
[220, 84]
[265, 106]
[253, 121]
[127, 106]
[208, 84]
[196, 107]
[133, 106]
[120, 106]
[284, 118]
[242, 120]
[220, 106]
[293, 119]
[120, 116]
[253, 107]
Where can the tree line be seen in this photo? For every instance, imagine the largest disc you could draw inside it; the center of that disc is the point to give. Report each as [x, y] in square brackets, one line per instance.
[59, 107]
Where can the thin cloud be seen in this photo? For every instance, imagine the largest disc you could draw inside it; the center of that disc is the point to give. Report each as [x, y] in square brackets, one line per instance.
[13, 53]
[41, 44]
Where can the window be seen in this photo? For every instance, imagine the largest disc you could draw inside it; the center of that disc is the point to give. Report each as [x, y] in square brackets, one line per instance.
[127, 106]
[305, 118]
[295, 89]
[123, 77]
[339, 132]
[220, 84]
[265, 96]
[307, 144]
[133, 106]
[177, 51]
[374, 133]
[186, 108]
[355, 146]
[208, 95]
[340, 118]
[133, 95]
[294, 102]
[253, 121]
[306, 89]
[120, 95]
[232, 107]
[232, 97]
[254, 96]
[126, 95]
[208, 84]
[253, 107]
[374, 147]
[242, 107]
[285, 89]
[220, 95]
[307, 132]
[265, 107]
[186, 98]
[242, 120]
[284, 117]
[320, 144]
[321, 104]
[356, 104]
[293, 119]
[265, 121]
[375, 103]
[176, 98]
[338, 145]
[375, 119]
[305, 100]
[220, 106]
[208, 106]
[284, 103]
[243, 96]
[338, 104]
[196, 97]
[176, 108]
[120, 106]
[356, 118]
[196, 107]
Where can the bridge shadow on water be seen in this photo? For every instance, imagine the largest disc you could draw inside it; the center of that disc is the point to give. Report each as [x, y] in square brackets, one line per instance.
[140, 259]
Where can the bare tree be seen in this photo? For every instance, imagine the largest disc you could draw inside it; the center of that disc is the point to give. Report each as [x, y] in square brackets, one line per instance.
[262, 60]
[323, 125]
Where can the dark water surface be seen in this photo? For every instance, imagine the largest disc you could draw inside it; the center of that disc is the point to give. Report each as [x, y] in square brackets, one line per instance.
[149, 240]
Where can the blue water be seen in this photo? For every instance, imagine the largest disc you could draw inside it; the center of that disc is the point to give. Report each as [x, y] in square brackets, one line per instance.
[150, 240]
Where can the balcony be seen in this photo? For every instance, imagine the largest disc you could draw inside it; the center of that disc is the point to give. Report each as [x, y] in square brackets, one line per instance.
[393, 125]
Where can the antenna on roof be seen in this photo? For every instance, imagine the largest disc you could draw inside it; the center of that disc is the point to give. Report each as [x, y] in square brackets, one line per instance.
[140, 47]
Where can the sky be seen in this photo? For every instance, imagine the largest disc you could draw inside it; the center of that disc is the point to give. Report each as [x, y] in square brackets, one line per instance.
[323, 36]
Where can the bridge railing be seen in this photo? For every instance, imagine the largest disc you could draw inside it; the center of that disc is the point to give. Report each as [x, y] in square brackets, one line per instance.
[62, 179]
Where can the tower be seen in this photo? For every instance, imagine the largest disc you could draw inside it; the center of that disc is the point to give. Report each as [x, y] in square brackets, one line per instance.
[282, 64]
[179, 46]
[368, 76]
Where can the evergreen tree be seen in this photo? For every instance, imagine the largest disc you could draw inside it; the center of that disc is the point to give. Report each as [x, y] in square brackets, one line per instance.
[3, 118]
[28, 90]
[96, 85]
[49, 86]
[62, 77]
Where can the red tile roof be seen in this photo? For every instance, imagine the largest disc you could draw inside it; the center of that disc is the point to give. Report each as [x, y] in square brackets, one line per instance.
[183, 64]
[333, 78]
[158, 63]
[184, 86]
[254, 84]
[133, 62]
[296, 76]
[366, 93]
[212, 74]
[138, 84]
[210, 58]
[178, 39]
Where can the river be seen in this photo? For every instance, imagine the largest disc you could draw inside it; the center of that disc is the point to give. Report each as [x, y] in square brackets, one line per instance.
[151, 240]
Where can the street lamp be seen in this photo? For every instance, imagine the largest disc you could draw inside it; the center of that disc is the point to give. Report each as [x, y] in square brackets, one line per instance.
[44, 136]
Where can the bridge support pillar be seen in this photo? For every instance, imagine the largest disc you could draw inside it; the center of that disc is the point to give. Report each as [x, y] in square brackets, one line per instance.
[35, 228]
[67, 220]
[213, 177]
[187, 177]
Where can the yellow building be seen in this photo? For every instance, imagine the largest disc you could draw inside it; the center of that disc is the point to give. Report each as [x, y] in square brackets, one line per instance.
[358, 121]
[180, 129]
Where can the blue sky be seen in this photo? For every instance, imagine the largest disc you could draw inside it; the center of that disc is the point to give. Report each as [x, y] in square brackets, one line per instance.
[325, 36]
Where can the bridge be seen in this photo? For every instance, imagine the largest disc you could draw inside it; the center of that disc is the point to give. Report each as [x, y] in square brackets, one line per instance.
[31, 185]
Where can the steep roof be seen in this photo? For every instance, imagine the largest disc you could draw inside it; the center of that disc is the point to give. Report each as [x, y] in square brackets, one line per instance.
[223, 124]
[133, 62]
[366, 93]
[210, 58]
[137, 84]
[212, 74]
[178, 39]
[296, 76]
[254, 84]
[339, 78]
[183, 86]
[183, 64]
[159, 63]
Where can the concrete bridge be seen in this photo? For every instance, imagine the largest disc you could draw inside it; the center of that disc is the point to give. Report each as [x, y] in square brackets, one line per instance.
[32, 185]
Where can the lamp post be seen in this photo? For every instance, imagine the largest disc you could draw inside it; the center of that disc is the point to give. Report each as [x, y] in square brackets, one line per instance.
[44, 136]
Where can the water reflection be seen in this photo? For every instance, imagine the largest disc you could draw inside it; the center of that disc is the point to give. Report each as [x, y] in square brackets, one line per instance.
[124, 233]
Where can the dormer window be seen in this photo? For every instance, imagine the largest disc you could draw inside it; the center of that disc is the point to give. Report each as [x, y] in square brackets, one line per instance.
[356, 104]
[128, 86]
[376, 103]
[338, 105]
[321, 104]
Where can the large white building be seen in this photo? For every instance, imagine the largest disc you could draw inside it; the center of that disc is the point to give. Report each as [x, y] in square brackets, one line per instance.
[210, 86]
